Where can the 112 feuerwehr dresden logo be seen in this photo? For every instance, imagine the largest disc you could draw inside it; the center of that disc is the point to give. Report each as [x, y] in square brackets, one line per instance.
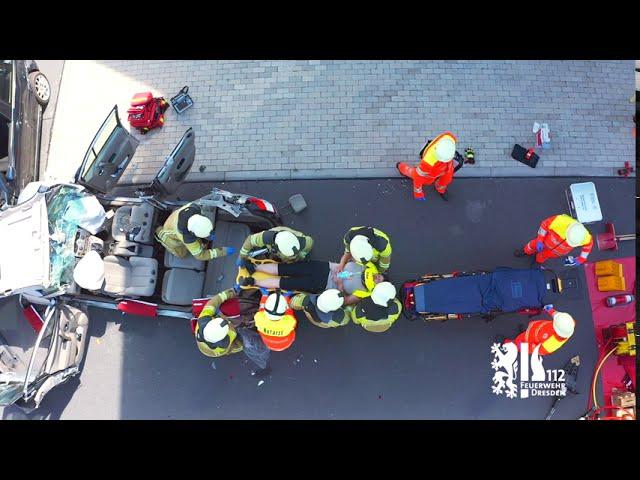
[519, 375]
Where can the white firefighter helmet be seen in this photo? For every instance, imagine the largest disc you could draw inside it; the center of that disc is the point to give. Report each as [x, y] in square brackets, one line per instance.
[215, 330]
[330, 300]
[382, 293]
[287, 243]
[275, 306]
[200, 225]
[360, 248]
[577, 234]
[445, 149]
[89, 271]
[563, 324]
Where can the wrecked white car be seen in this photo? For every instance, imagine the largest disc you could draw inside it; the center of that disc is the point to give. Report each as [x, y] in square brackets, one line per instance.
[48, 229]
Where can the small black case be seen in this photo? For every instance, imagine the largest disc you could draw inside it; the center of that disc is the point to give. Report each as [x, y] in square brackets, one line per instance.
[519, 153]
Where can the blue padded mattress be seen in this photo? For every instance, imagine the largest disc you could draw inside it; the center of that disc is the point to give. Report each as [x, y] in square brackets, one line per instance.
[505, 290]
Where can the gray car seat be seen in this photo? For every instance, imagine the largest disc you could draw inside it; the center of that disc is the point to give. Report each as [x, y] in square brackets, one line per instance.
[222, 272]
[171, 261]
[181, 285]
[128, 217]
[125, 248]
[135, 276]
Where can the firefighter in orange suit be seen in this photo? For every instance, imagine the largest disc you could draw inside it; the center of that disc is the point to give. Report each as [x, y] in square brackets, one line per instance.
[276, 322]
[435, 167]
[557, 236]
[549, 334]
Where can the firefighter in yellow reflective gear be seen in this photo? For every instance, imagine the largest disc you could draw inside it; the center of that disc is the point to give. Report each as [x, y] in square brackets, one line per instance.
[326, 310]
[215, 334]
[367, 244]
[282, 244]
[379, 311]
[187, 232]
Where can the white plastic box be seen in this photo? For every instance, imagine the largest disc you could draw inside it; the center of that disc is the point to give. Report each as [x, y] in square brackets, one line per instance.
[583, 202]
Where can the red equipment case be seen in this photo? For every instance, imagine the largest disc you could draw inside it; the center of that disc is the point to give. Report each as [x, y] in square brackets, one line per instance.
[146, 112]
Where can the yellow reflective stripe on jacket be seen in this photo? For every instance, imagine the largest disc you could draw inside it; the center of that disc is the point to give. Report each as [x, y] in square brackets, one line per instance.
[370, 271]
[256, 241]
[377, 326]
[377, 254]
[170, 237]
[561, 223]
[249, 243]
[308, 242]
[274, 328]
[296, 304]
[171, 242]
[214, 303]
[361, 293]
[210, 310]
[207, 311]
[171, 223]
[296, 301]
[234, 345]
[429, 155]
[195, 248]
[384, 263]
[386, 252]
[331, 324]
[553, 343]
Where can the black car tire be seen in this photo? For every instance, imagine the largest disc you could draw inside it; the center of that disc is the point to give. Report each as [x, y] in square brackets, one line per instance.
[40, 87]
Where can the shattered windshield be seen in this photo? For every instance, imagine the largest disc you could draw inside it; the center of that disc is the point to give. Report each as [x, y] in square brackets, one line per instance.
[69, 209]
[11, 390]
[62, 234]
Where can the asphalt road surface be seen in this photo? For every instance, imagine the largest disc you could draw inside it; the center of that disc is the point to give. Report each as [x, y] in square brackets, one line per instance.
[141, 368]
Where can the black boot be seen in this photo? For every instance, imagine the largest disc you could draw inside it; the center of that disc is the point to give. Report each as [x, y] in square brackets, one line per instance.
[249, 266]
[444, 196]
[246, 281]
[519, 253]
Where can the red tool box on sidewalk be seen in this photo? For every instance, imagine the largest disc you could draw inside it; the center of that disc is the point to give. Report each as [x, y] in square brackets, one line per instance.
[147, 112]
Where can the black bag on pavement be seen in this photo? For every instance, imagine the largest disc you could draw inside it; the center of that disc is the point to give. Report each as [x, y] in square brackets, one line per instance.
[253, 347]
[519, 153]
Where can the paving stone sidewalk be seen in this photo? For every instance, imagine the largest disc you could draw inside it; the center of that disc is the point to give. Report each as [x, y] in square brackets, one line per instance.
[331, 119]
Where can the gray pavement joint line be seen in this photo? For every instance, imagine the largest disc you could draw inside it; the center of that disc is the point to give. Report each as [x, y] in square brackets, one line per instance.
[513, 177]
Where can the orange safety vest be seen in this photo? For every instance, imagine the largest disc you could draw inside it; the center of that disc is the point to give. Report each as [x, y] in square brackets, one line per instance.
[541, 332]
[430, 166]
[553, 232]
[278, 334]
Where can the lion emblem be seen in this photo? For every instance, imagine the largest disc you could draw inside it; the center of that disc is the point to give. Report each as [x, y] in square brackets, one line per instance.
[505, 364]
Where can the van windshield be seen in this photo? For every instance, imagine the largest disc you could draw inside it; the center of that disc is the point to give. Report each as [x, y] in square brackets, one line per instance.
[62, 234]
